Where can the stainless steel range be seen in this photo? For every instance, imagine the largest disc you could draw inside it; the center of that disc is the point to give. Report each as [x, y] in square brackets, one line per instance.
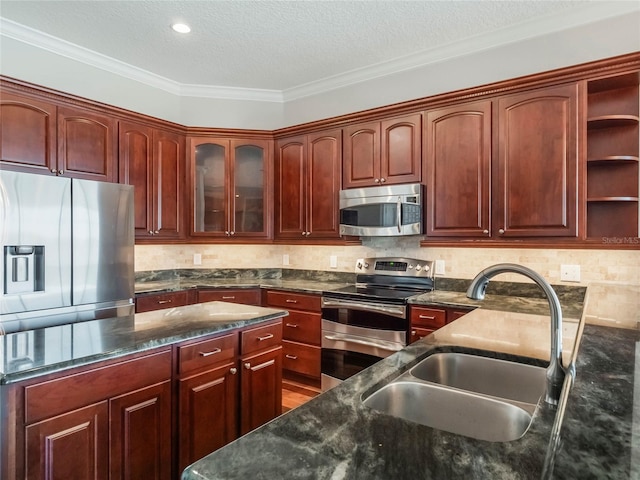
[364, 323]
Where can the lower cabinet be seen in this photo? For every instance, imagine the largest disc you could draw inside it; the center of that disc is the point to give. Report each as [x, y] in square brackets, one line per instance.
[146, 415]
[426, 320]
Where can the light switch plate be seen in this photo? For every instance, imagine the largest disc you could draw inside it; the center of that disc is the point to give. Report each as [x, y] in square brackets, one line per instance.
[285, 259]
[439, 267]
[570, 273]
[197, 259]
[333, 261]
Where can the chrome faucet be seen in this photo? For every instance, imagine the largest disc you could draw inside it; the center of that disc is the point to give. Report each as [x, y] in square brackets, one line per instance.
[555, 372]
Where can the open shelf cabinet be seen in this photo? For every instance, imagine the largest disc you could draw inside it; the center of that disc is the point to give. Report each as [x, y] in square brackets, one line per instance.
[613, 140]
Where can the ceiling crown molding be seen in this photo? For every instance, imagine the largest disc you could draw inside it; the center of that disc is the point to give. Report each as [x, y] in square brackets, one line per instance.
[592, 12]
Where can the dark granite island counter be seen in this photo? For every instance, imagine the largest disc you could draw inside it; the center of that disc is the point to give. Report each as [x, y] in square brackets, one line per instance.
[335, 436]
[65, 346]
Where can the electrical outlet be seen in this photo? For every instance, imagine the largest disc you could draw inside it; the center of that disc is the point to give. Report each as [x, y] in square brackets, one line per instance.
[439, 267]
[333, 261]
[285, 259]
[197, 259]
[570, 273]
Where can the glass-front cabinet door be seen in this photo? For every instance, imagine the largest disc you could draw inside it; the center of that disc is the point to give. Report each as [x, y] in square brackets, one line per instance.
[231, 189]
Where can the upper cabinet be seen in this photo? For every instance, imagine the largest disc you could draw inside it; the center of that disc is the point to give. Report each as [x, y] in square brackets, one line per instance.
[537, 163]
[41, 137]
[307, 186]
[612, 159]
[458, 170]
[506, 167]
[152, 160]
[383, 152]
[230, 187]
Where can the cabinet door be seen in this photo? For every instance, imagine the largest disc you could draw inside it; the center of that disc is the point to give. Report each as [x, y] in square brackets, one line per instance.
[71, 446]
[536, 187]
[290, 188]
[135, 168]
[168, 181]
[208, 413]
[458, 170]
[401, 150]
[210, 186]
[140, 433]
[27, 134]
[251, 194]
[361, 157]
[86, 144]
[260, 389]
[323, 190]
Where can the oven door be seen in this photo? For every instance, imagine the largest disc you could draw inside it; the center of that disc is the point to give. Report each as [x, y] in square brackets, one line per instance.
[355, 335]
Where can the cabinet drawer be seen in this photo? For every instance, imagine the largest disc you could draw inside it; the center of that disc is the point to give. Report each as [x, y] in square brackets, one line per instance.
[245, 296]
[72, 391]
[260, 338]
[417, 333]
[299, 358]
[157, 301]
[302, 327]
[428, 317]
[207, 353]
[297, 301]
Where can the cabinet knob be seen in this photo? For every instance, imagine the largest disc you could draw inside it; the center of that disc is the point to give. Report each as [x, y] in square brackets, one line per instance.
[60, 172]
[486, 232]
[308, 233]
[150, 232]
[53, 170]
[233, 371]
[304, 233]
[247, 366]
[226, 232]
[156, 232]
[376, 180]
[382, 180]
[501, 231]
[232, 232]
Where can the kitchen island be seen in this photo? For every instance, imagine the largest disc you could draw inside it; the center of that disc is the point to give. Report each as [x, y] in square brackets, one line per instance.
[136, 396]
[334, 436]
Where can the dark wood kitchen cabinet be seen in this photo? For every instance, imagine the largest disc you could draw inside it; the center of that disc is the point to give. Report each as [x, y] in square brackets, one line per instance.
[207, 396]
[301, 333]
[504, 168]
[307, 186]
[425, 320]
[458, 170]
[152, 160]
[246, 296]
[106, 421]
[384, 152]
[147, 302]
[231, 188]
[43, 137]
[537, 163]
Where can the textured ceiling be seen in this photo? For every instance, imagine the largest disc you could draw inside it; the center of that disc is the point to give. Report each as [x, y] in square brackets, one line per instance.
[276, 45]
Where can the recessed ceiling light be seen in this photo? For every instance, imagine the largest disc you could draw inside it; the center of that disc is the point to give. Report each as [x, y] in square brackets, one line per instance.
[181, 28]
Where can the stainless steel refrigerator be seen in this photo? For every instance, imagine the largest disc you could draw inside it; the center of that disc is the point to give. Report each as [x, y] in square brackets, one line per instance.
[67, 250]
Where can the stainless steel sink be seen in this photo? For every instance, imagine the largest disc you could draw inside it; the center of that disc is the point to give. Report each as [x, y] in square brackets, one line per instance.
[451, 410]
[489, 376]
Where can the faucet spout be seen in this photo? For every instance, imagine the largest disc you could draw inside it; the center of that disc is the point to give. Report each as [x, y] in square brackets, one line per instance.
[556, 371]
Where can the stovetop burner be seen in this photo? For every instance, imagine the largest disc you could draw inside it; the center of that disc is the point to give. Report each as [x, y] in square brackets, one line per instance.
[391, 279]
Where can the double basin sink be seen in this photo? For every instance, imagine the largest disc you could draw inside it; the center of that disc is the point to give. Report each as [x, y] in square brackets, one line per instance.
[471, 395]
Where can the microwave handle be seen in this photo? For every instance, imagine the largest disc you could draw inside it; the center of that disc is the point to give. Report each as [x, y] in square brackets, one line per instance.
[399, 214]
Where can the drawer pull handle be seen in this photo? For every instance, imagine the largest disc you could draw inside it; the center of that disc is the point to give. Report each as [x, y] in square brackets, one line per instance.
[292, 357]
[162, 302]
[265, 337]
[292, 325]
[291, 301]
[427, 317]
[230, 297]
[212, 352]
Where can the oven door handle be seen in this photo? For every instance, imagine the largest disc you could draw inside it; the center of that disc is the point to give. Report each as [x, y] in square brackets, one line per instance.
[391, 347]
[393, 310]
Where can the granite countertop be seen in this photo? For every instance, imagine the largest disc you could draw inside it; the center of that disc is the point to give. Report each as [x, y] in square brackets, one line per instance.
[334, 436]
[65, 346]
[297, 285]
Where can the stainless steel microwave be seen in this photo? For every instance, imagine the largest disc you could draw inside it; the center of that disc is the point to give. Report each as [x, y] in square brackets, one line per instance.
[388, 211]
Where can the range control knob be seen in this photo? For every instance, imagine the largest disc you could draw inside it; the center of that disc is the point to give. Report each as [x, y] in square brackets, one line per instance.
[410, 266]
[426, 268]
[359, 265]
[418, 268]
[366, 265]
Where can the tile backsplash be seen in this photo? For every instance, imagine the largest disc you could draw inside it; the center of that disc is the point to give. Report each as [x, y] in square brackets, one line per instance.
[614, 266]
